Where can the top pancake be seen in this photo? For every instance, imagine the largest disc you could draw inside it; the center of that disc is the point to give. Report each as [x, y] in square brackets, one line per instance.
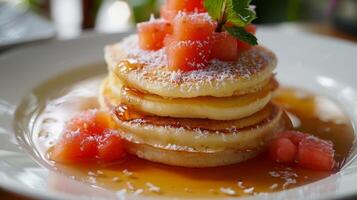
[147, 72]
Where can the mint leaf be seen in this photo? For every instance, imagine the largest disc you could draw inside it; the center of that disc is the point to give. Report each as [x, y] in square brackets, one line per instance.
[239, 12]
[236, 12]
[243, 10]
[242, 35]
[215, 8]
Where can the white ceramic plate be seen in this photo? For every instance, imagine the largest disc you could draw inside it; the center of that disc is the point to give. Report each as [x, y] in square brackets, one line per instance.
[18, 25]
[323, 65]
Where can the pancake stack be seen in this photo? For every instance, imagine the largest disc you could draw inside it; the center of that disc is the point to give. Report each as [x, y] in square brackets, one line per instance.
[210, 117]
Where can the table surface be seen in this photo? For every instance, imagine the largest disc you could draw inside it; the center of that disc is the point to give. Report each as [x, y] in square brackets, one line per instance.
[321, 29]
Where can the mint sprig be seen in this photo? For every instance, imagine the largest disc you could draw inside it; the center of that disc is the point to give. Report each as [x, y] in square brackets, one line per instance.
[241, 13]
[238, 13]
[242, 35]
[215, 8]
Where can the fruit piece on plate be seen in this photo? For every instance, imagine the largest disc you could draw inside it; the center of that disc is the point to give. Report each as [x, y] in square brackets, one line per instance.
[110, 146]
[186, 5]
[295, 136]
[193, 26]
[224, 47]
[167, 14]
[243, 46]
[309, 151]
[89, 122]
[314, 153]
[188, 55]
[88, 137]
[73, 147]
[152, 34]
[282, 150]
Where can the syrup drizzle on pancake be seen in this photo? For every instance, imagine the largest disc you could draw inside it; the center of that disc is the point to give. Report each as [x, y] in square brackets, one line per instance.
[151, 66]
[217, 126]
[217, 70]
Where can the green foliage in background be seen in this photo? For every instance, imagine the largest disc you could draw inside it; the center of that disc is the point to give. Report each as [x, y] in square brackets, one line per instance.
[293, 10]
[268, 11]
[143, 9]
[273, 11]
[33, 4]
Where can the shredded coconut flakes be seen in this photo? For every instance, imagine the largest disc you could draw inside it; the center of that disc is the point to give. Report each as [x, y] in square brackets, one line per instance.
[153, 188]
[215, 74]
[228, 191]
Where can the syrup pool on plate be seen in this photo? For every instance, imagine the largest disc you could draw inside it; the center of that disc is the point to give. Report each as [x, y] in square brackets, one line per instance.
[44, 113]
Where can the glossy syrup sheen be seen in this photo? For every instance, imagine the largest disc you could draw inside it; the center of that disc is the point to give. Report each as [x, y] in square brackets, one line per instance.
[309, 113]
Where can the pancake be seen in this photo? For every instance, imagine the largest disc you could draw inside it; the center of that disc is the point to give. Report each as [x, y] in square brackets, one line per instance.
[188, 158]
[185, 156]
[195, 142]
[147, 71]
[208, 136]
[224, 108]
[157, 147]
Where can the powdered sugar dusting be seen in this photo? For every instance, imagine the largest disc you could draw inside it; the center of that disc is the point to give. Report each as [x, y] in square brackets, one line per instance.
[194, 16]
[154, 67]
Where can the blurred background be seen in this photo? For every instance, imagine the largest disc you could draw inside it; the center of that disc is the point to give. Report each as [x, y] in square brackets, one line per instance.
[28, 20]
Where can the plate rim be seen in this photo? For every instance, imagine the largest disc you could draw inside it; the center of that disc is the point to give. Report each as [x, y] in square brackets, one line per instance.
[53, 195]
